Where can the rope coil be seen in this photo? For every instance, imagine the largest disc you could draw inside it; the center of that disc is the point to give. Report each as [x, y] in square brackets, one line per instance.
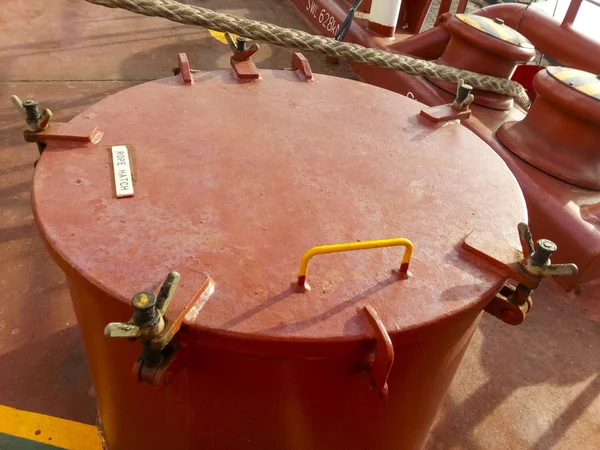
[289, 37]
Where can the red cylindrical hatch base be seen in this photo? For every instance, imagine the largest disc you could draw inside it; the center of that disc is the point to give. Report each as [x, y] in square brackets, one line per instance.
[236, 180]
[223, 399]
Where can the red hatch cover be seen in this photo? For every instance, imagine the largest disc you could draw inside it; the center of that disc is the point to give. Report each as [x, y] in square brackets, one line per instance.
[240, 179]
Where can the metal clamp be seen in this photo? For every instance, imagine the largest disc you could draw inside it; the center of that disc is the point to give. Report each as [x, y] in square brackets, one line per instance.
[147, 323]
[536, 259]
[39, 130]
[334, 248]
[457, 110]
[241, 61]
[36, 121]
[155, 328]
[527, 267]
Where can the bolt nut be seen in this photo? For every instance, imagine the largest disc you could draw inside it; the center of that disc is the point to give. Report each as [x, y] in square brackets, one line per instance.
[241, 44]
[146, 314]
[547, 245]
[543, 250]
[32, 110]
[143, 301]
[463, 92]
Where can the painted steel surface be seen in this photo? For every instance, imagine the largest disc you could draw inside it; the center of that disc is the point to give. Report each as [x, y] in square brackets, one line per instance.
[263, 365]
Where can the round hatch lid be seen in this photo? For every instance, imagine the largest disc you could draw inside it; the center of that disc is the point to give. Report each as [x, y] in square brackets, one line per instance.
[586, 83]
[495, 28]
[240, 179]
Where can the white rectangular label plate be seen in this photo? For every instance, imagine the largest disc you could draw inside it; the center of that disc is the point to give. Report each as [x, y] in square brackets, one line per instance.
[122, 171]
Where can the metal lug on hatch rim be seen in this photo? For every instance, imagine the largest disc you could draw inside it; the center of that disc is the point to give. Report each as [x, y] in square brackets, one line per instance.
[301, 64]
[184, 69]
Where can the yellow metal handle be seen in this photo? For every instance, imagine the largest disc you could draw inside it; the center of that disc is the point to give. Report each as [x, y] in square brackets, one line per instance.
[334, 248]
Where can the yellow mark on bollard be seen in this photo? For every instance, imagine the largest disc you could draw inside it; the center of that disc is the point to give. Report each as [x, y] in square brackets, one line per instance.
[50, 430]
[221, 36]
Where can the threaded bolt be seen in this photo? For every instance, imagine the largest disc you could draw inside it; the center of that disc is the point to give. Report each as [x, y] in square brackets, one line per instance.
[543, 249]
[146, 314]
[32, 110]
[463, 92]
[241, 44]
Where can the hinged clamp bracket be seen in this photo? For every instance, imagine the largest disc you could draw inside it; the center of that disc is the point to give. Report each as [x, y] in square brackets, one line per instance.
[457, 110]
[155, 326]
[527, 267]
[38, 128]
[241, 61]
